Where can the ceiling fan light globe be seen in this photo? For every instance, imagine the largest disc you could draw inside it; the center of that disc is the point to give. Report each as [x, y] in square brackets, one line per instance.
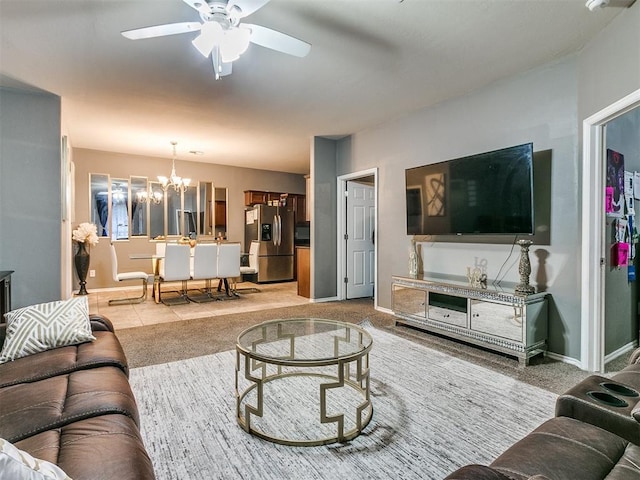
[235, 43]
[210, 36]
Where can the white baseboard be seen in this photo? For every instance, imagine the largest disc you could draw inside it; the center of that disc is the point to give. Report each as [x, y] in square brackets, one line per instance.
[621, 351]
[325, 299]
[384, 310]
[562, 358]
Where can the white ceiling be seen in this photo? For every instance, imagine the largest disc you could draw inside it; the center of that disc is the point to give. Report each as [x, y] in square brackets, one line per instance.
[370, 61]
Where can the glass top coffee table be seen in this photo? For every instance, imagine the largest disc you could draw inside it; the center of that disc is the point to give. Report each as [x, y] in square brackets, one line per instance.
[303, 381]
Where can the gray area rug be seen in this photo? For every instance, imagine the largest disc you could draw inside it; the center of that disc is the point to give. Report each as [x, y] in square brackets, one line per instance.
[432, 414]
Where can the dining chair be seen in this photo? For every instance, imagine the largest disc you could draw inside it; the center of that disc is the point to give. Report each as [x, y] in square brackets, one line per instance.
[155, 264]
[204, 267]
[228, 264]
[175, 268]
[250, 271]
[121, 277]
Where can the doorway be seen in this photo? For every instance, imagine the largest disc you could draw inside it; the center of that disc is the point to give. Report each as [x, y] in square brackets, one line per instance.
[621, 159]
[593, 258]
[357, 231]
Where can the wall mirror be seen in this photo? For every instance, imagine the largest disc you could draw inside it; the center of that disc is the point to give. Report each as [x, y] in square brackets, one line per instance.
[220, 212]
[138, 206]
[212, 210]
[99, 202]
[205, 210]
[156, 213]
[173, 207]
[119, 209]
[188, 226]
[123, 208]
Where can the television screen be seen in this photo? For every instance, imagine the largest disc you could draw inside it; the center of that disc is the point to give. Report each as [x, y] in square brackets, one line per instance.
[487, 193]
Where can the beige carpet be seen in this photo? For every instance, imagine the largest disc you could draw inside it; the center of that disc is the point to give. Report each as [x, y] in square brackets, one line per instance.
[432, 413]
[167, 342]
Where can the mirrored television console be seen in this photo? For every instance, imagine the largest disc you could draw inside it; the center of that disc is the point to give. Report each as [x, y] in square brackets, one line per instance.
[492, 318]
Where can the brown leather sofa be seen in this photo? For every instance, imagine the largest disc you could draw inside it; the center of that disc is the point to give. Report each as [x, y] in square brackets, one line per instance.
[73, 406]
[595, 435]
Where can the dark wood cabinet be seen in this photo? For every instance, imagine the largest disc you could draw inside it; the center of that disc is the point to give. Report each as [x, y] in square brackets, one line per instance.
[303, 265]
[274, 197]
[295, 201]
[221, 214]
[299, 203]
[254, 197]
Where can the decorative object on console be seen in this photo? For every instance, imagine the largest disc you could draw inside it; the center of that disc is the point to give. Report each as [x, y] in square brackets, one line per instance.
[86, 233]
[179, 184]
[524, 269]
[476, 278]
[413, 260]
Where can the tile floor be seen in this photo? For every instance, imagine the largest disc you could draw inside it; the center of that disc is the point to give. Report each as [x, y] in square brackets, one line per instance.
[272, 295]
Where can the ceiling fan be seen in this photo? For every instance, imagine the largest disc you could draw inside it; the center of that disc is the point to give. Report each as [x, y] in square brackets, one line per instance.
[222, 35]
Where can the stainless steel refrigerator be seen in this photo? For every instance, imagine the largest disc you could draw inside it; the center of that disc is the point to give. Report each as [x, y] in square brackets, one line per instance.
[273, 227]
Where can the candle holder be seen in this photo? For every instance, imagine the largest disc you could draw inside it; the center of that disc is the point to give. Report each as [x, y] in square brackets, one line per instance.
[524, 269]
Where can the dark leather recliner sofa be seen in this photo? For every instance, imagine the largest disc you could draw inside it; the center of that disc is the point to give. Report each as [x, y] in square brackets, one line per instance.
[595, 435]
[73, 406]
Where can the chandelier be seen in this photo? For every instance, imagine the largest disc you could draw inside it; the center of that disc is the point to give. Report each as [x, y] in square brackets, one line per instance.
[179, 184]
[149, 196]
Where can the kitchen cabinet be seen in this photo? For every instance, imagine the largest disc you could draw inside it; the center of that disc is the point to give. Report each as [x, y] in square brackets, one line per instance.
[303, 255]
[254, 197]
[295, 201]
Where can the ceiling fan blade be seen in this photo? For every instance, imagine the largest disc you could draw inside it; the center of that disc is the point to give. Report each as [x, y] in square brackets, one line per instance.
[266, 37]
[245, 7]
[200, 5]
[162, 30]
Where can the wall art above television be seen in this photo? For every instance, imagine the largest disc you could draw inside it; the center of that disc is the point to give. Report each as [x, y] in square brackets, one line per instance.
[484, 194]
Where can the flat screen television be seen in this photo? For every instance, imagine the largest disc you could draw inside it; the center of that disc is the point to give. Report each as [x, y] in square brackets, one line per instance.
[485, 194]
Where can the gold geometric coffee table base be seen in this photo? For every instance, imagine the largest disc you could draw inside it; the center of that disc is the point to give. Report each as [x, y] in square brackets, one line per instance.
[321, 378]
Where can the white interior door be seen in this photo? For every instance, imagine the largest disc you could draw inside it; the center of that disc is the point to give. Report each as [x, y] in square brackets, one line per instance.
[360, 279]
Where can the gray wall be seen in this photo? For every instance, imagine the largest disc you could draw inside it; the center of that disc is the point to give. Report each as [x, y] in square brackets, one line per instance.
[538, 107]
[609, 65]
[621, 312]
[119, 165]
[30, 210]
[546, 105]
[323, 218]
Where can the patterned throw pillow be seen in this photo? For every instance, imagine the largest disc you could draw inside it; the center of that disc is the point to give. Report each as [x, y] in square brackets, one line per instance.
[41, 327]
[14, 463]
